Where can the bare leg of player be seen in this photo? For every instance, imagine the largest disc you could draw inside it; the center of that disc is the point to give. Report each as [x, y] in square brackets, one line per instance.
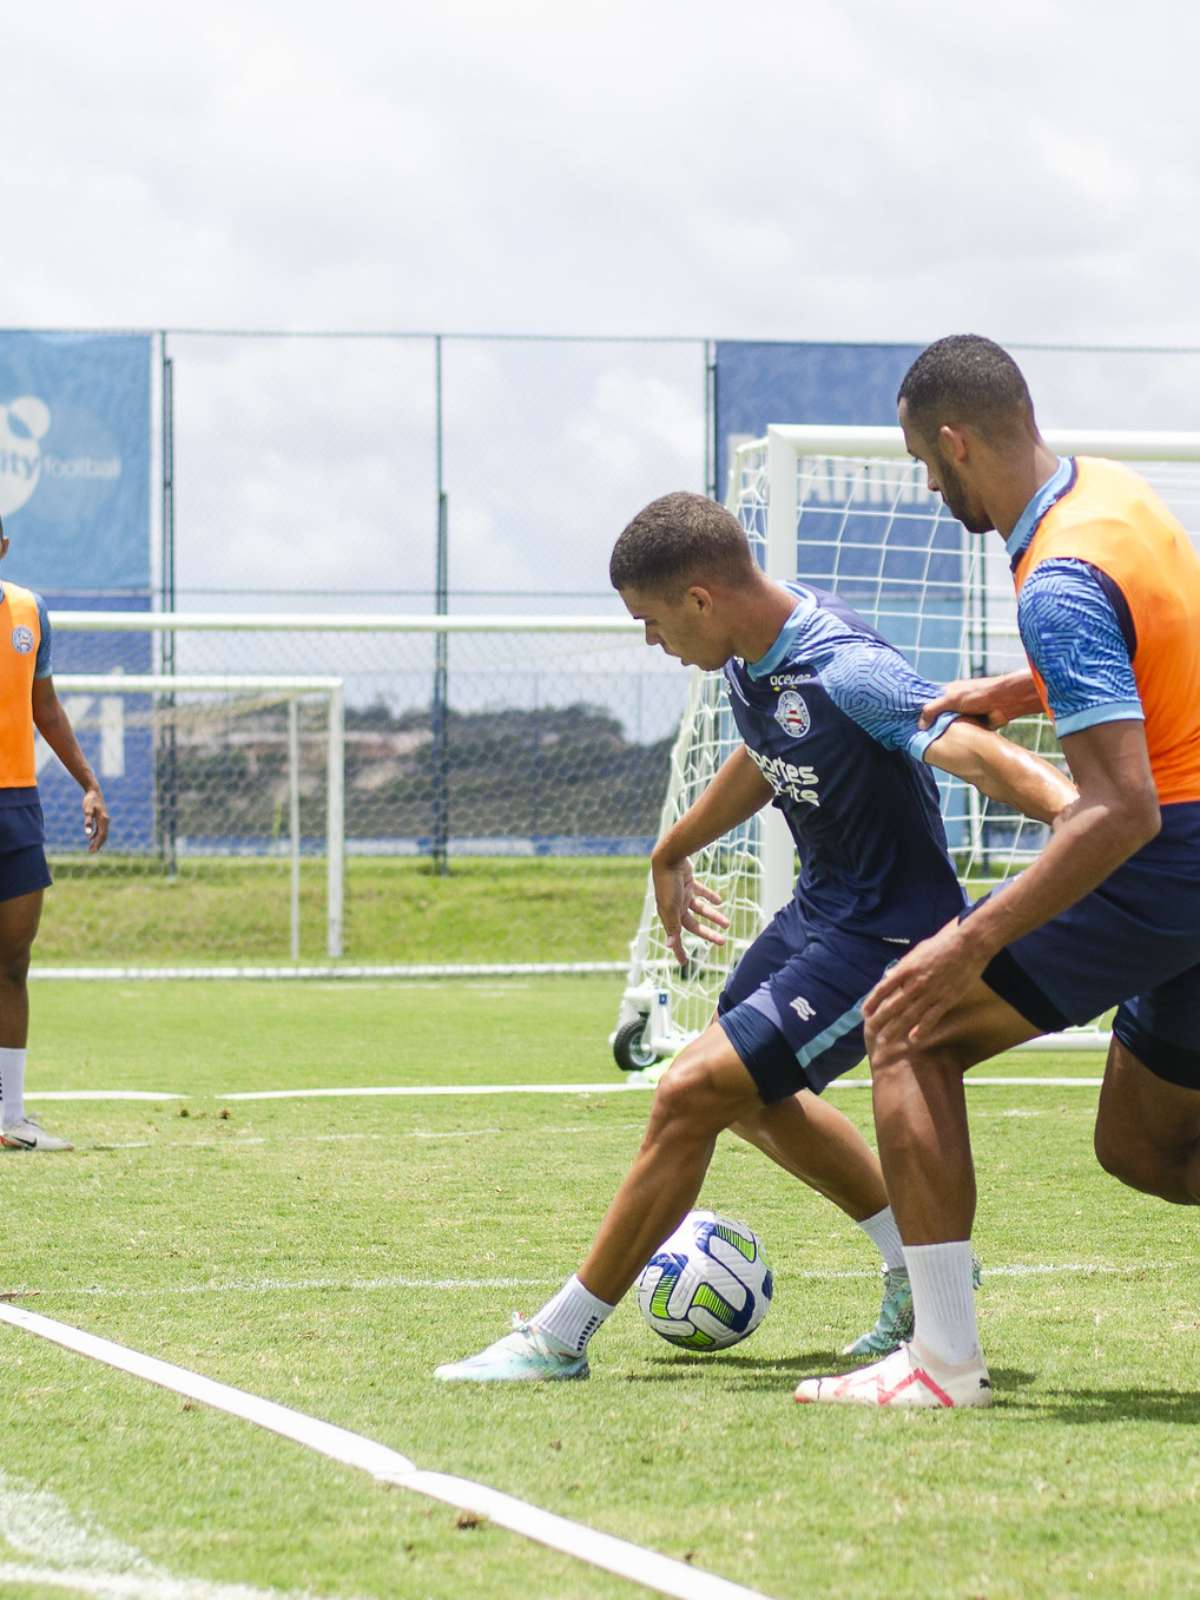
[705, 1089]
[925, 1148]
[1148, 1130]
[818, 1144]
[19, 919]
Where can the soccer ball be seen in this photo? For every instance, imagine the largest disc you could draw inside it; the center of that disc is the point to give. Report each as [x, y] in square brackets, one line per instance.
[708, 1286]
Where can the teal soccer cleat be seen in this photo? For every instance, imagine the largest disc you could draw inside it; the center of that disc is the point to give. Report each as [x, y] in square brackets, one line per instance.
[526, 1355]
[895, 1324]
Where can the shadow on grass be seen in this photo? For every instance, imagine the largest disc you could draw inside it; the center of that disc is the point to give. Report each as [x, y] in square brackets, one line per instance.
[1117, 1405]
[752, 1372]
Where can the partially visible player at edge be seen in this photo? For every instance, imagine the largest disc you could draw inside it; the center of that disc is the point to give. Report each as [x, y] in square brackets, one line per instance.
[28, 700]
[828, 711]
[1108, 604]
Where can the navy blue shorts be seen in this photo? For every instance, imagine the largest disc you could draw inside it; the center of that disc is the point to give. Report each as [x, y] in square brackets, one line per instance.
[792, 1008]
[22, 853]
[1134, 943]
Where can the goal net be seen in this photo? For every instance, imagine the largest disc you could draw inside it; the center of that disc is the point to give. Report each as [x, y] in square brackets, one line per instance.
[847, 510]
[356, 793]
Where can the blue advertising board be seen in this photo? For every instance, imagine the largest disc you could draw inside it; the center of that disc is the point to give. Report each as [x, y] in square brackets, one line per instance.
[75, 482]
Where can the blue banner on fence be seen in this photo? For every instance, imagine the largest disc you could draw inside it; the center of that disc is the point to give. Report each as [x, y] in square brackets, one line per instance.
[75, 475]
[75, 461]
[841, 384]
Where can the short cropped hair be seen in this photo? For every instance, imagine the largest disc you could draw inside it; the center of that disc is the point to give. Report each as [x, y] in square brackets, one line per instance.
[968, 379]
[678, 540]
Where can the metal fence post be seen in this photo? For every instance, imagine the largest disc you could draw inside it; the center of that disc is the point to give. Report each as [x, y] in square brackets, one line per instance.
[441, 652]
[168, 754]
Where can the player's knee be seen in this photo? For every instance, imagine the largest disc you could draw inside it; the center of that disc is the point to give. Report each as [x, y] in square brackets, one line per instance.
[688, 1099]
[14, 966]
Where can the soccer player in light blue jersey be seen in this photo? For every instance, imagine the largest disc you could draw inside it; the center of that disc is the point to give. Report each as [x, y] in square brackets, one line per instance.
[829, 714]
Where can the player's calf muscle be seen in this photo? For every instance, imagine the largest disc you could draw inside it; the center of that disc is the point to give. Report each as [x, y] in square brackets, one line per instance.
[1169, 1172]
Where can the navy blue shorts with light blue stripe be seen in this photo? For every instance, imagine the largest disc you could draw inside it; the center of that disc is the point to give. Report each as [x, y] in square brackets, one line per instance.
[792, 1008]
[1134, 943]
[23, 866]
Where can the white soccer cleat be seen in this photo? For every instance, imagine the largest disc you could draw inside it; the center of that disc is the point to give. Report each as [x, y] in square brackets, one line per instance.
[526, 1355]
[902, 1380]
[30, 1135]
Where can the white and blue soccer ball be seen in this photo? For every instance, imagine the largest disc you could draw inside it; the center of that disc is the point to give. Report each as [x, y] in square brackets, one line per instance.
[708, 1286]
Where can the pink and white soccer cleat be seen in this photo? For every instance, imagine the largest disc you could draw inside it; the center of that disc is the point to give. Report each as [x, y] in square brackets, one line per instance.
[902, 1379]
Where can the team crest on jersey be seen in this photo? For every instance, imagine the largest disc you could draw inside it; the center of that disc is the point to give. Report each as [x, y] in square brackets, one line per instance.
[792, 714]
[22, 639]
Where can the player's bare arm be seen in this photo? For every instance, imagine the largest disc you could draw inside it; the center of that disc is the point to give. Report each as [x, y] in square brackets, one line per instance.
[684, 905]
[1002, 770]
[1115, 814]
[994, 701]
[54, 725]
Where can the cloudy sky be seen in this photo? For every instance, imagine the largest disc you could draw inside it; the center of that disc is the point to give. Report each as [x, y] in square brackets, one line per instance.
[779, 170]
[859, 170]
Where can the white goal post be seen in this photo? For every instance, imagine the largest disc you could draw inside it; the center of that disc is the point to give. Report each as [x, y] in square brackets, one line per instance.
[847, 509]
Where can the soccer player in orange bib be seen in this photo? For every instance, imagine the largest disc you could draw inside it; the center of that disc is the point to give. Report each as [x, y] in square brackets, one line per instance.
[28, 700]
[1108, 606]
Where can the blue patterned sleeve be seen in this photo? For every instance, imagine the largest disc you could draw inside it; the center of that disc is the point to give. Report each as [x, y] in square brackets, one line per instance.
[42, 667]
[1080, 645]
[873, 683]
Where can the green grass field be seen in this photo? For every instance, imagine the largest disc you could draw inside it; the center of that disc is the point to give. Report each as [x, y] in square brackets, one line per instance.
[221, 910]
[328, 1253]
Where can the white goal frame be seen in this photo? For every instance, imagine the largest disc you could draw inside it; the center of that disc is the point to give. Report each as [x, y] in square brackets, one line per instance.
[292, 690]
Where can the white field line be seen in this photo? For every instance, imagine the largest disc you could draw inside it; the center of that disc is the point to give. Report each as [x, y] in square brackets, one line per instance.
[100, 1094]
[1019, 1269]
[646, 1567]
[617, 1087]
[126, 1585]
[463, 1090]
[63, 1551]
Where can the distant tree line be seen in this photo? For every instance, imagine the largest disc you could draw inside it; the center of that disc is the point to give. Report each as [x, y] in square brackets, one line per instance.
[505, 773]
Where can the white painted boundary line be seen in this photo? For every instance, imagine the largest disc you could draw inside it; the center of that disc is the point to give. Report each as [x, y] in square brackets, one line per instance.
[614, 1087]
[125, 1585]
[646, 1567]
[1020, 1269]
[421, 1090]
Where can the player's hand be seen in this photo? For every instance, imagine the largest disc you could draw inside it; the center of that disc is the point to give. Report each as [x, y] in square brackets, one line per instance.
[917, 992]
[686, 906]
[95, 819]
[992, 701]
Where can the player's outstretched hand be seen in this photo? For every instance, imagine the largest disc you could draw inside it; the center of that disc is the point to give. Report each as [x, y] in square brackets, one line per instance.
[916, 993]
[992, 701]
[95, 819]
[686, 906]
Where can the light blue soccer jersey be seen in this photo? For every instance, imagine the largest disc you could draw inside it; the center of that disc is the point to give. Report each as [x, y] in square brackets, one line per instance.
[1077, 631]
[829, 715]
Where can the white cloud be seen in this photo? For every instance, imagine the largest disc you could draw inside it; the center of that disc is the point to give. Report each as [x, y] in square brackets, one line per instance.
[828, 171]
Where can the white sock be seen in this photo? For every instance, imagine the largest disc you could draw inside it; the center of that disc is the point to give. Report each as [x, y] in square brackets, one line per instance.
[12, 1085]
[881, 1229]
[944, 1301]
[573, 1316]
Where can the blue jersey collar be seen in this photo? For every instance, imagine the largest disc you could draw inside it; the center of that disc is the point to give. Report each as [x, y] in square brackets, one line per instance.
[1058, 484]
[786, 637]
